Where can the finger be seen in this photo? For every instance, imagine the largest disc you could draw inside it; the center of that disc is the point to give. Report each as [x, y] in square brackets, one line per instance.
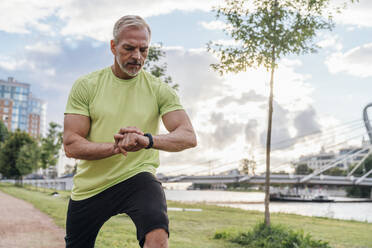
[130, 130]
[125, 142]
[118, 137]
[117, 150]
[123, 151]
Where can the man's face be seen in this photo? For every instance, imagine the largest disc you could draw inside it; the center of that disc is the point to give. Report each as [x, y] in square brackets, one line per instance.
[131, 50]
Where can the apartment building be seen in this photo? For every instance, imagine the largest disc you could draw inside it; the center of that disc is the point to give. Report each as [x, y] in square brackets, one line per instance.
[20, 110]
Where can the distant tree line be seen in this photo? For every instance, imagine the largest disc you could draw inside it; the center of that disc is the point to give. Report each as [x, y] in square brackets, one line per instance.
[21, 154]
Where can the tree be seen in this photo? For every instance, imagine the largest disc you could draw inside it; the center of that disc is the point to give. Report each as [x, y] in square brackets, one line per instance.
[363, 168]
[3, 132]
[50, 146]
[303, 169]
[266, 31]
[28, 158]
[13, 155]
[155, 55]
[335, 171]
[247, 166]
[359, 191]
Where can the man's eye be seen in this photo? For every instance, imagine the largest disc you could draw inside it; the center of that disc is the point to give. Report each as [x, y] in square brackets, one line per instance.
[129, 48]
[143, 50]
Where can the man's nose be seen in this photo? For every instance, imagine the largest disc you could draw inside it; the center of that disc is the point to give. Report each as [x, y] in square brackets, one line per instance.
[136, 54]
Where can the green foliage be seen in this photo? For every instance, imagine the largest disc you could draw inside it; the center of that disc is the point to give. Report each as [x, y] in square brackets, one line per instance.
[363, 168]
[155, 54]
[223, 235]
[267, 30]
[15, 152]
[358, 191]
[50, 146]
[274, 236]
[335, 171]
[3, 132]
[303, 169]
[28, 158]
[247, 166]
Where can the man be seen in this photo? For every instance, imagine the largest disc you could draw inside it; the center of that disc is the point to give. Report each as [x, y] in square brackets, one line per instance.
[111, 121]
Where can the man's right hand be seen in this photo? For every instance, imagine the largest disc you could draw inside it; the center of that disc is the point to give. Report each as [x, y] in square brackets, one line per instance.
[129, 139]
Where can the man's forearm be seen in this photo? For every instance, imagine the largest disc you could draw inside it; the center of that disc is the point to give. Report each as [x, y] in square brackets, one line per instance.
[175, 141]
[81, 148]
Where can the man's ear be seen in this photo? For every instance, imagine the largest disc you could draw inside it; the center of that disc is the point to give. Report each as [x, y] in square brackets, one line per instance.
[113, 47]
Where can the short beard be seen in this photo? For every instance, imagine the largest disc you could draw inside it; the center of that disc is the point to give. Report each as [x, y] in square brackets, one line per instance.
[122, 68]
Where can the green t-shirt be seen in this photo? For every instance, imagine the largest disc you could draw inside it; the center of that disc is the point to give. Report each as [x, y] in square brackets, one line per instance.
[112, 103]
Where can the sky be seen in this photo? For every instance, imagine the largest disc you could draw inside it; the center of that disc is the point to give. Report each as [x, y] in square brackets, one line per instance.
[49, 44]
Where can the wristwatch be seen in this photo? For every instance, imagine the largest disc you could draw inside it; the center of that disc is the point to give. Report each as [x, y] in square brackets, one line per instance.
[151, 141]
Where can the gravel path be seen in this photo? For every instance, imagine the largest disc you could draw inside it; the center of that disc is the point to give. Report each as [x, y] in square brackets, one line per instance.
[23, 226]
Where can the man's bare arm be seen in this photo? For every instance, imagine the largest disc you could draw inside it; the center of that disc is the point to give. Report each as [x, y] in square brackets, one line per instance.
[76, 128]
[181, 134]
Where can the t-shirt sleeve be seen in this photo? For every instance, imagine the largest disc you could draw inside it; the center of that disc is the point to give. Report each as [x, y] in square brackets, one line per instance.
[167, 99]
[78, 100]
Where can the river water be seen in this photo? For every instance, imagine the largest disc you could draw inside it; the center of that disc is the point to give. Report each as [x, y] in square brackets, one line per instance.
[254, 201]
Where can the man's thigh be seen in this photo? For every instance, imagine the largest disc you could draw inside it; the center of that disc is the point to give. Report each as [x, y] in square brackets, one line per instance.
[147, 206]
[84, 220]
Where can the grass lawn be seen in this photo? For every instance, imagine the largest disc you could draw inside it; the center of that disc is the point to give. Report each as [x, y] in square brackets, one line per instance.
[196, 229]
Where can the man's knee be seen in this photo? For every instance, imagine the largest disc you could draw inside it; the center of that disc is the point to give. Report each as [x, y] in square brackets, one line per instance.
[157, 238]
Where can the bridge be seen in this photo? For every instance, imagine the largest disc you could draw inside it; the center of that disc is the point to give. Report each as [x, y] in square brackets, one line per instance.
[274, 179]
[315, 178]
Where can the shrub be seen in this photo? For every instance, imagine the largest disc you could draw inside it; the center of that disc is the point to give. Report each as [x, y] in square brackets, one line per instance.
[275, 236]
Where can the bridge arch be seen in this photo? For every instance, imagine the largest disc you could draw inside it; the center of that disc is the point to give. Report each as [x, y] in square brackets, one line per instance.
[367, 123]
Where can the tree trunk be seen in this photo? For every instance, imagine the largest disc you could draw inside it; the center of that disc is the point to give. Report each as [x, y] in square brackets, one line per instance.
[268, 148]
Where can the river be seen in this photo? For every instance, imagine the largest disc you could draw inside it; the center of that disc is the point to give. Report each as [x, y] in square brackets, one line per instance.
[254, 201]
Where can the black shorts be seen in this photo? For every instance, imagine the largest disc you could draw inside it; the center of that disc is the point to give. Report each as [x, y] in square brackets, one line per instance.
[141, 197]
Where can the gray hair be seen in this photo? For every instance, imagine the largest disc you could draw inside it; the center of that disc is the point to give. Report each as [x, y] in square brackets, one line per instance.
[129, 21]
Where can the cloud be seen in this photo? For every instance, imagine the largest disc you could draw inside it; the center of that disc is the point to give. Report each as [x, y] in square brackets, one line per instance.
[305, 122]
[13, 64]
[213, 25]
[94, 19]
[356, 61]
[224, 134]
[280, 135]
[331, 42]
[191, 70]
[229, 42]
[85, 18]
[20, 16]
[246, 97]
[44, 47]
[226, 111]
[357, 14]
[52, 68]
[251, 132]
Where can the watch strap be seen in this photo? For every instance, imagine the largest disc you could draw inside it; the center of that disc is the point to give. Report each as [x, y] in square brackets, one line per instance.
[151, 141]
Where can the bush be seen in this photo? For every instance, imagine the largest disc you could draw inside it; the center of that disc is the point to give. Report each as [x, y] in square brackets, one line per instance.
[275, 236]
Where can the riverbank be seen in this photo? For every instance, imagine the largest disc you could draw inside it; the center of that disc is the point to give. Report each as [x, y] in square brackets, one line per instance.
[254, 201]
[194, 229]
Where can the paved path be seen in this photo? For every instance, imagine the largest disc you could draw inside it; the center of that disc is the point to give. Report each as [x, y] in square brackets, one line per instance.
[23, 226]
